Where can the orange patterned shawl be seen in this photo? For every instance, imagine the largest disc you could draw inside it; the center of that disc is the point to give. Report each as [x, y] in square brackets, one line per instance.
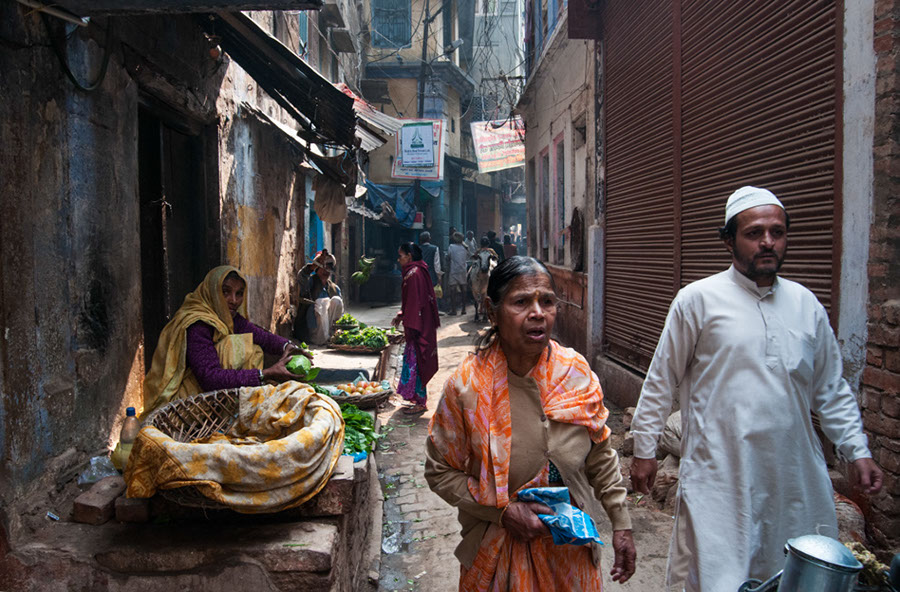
[570, 393]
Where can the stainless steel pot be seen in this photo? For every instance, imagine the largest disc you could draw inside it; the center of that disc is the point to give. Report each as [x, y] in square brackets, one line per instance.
[818, 564]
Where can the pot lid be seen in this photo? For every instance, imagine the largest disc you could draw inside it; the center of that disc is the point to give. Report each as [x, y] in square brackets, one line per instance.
[825, 550]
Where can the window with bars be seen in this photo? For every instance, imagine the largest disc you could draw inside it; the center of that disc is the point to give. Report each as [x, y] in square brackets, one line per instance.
[544, 220]
[559, 202]
[391, 23]
[303, 21]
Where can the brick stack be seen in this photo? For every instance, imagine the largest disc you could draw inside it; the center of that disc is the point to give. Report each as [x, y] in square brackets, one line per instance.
[881, 377]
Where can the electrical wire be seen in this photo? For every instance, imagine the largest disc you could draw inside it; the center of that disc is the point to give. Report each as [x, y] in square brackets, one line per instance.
[63, 61]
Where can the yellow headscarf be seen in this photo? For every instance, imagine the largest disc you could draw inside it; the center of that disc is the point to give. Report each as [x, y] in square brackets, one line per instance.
[169, 376]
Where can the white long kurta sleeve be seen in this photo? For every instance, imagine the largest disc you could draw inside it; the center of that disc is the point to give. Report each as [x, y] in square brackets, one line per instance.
[748, 364]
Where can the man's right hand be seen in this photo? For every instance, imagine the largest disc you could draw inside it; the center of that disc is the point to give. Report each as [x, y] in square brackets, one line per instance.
[643, 474]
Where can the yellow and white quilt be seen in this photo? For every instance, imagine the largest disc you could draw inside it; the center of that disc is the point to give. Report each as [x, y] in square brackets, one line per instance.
[280, 452]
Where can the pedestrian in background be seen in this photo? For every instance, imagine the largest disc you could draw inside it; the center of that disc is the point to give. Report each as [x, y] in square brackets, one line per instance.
[751, 355]
[470, 244]
[495, 245]
[431, 255]
[509, 249]
[458, 273]
[419, 316]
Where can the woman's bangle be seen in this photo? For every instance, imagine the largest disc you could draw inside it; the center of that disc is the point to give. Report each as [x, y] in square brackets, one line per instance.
[503, 512]
[262, 378]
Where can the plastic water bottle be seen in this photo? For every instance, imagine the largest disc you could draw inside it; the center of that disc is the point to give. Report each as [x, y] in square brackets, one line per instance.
[130, 429]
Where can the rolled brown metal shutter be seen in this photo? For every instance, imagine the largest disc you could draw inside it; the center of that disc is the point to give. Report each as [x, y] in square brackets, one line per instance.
[758, 108]
[702, 97]
[640, 182]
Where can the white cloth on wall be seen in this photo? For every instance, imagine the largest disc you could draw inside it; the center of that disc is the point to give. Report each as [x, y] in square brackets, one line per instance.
[328, 311]
[749, 364]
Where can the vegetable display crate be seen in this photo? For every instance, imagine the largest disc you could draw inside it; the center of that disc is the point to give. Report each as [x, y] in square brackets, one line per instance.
[357, 349]
[186, 420]
[364, 401]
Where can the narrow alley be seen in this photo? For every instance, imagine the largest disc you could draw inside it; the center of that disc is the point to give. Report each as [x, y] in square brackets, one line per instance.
[420, 531]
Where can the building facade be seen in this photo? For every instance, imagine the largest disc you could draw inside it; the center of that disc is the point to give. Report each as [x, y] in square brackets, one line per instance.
[683, 104]
[138, 152]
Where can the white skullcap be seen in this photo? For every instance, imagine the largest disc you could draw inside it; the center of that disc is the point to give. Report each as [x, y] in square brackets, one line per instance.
[749, 197]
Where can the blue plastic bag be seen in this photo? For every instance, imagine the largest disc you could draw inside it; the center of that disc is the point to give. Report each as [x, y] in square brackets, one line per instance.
[569, 526]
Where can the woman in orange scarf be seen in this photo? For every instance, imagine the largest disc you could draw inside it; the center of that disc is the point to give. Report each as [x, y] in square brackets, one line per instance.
[525, 412]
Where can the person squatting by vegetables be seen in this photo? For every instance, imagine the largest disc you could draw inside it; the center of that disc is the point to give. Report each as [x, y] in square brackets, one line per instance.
[321, 303]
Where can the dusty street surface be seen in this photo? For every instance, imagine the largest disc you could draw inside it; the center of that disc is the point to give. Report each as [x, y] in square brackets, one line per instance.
[421, 531]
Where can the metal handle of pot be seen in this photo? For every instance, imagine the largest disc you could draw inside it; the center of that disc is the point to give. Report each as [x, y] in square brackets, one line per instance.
[768, 586]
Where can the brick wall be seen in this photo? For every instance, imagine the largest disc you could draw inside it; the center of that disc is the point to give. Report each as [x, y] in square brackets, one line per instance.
[881, 377]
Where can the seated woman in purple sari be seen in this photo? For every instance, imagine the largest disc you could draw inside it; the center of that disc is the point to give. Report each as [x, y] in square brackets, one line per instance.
[209, 344]
[419, 316]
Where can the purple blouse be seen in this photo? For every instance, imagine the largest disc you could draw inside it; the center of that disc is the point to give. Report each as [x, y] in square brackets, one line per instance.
[203, 359]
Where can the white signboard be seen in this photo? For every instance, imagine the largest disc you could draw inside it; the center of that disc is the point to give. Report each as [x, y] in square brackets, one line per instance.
[416, 146]
[401, 169]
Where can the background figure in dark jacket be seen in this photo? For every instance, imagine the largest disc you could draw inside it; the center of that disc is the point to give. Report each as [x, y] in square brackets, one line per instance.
[431, 255]
[495, 244]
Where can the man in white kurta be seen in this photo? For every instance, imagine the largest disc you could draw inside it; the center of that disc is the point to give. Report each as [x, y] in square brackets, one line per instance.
[749, 363]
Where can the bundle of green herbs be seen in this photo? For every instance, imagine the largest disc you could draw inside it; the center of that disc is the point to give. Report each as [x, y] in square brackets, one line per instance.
[359, 430]
[370, 337]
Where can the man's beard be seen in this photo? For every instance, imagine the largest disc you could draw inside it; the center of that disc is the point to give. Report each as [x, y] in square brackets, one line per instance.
[755, 273]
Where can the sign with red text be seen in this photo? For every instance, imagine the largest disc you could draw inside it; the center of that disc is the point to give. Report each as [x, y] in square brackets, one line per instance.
[499, 144]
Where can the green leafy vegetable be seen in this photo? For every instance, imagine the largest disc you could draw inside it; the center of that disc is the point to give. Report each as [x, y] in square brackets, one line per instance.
[370, 337]
[359, 430]
[302, 367]
[347, 319]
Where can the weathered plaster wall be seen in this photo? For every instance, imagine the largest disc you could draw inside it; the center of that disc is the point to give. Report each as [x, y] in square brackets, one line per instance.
[262, 205]
[559, 93]
[71, 330]
[72, 353]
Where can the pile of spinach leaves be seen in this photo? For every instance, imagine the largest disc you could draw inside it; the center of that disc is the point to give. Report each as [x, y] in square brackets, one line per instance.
[359, 430]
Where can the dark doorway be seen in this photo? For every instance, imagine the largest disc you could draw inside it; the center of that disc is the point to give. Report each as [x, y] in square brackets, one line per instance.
[179, 229]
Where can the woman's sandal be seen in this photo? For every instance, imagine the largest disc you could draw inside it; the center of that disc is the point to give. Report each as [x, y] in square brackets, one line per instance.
[415, 410]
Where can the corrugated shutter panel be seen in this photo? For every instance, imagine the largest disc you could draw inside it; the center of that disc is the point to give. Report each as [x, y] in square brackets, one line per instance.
[752, 102]
[638, 85]
[758, 108]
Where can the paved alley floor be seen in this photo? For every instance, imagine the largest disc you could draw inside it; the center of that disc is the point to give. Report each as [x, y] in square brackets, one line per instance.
[420, 531]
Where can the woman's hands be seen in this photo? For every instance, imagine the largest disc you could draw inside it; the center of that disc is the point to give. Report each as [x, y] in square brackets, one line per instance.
[291, 348]
[397, 319]
[522, 522]
[278, 371]
[623, 545]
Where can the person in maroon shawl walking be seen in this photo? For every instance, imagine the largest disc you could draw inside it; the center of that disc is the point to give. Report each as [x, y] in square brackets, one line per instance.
[419, 315]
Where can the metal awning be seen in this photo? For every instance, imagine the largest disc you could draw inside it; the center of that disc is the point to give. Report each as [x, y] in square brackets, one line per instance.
[372, 125]
[120, 7]
[325, 114]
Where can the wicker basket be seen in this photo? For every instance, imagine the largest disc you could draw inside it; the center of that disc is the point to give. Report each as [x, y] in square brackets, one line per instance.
[366, 401]
[186, 420]
[394, 338]
[347, 327]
